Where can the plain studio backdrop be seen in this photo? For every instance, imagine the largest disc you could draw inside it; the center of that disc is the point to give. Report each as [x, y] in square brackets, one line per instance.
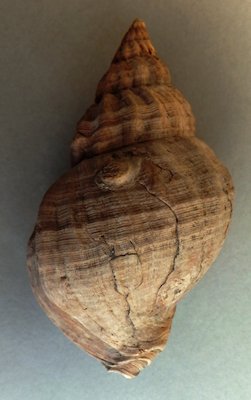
[52, 55]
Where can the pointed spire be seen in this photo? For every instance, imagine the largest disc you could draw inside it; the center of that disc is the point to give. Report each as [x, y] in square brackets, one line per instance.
[136, 42]
[135, 64]
[134, 102]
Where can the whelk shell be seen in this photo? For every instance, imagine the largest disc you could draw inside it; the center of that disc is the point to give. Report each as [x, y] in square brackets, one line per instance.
[136, 222]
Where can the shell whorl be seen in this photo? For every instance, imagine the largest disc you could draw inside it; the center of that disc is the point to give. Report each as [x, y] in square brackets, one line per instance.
[135, 101]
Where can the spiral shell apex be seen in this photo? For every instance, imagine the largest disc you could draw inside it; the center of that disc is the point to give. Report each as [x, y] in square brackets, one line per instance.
[135, 101]
[136, 222]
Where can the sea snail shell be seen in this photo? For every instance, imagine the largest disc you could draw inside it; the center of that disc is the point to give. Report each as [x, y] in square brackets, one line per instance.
[137, 222]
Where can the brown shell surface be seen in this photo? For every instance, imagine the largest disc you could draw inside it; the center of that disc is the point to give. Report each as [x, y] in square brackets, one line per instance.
[136, 223]
[135, 101]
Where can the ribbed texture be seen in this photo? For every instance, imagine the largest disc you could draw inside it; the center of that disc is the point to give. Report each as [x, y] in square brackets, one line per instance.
[136, 42]
[135, 101]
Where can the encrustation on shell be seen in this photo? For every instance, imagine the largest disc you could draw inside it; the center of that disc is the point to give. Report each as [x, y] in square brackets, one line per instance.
[137, 221]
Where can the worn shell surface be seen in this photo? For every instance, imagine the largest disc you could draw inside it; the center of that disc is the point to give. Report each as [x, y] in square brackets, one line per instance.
[137, 222]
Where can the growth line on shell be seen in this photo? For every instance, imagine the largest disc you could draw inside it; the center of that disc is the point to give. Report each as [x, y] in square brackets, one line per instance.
[176, 233]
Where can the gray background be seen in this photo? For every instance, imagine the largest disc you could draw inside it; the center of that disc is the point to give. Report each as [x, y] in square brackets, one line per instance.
[52, 55]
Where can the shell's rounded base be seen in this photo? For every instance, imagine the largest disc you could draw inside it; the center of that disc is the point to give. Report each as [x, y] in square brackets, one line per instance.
[130, 366]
